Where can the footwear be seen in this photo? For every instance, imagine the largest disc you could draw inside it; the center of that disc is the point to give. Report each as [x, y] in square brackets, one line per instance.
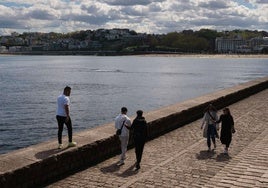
[72, 144]
[137, 167]
[60, 146]
[209, 149]
[121, 163]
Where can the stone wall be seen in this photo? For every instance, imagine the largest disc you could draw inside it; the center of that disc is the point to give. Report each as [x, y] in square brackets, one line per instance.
[159, 121]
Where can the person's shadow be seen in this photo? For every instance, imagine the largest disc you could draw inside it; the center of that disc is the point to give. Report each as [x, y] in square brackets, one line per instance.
[129, 172]
[114, 168]
[111, 168]
[203, 155]
[222, 157]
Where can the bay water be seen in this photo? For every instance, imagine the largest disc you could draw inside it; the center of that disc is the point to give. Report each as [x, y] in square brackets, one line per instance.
[101, 85]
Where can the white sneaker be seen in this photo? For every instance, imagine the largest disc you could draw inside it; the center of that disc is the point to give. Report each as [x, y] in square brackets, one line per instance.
[60, 146]
[72, 144]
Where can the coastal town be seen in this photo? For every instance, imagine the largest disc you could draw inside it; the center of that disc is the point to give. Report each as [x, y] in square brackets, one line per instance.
[125, 41]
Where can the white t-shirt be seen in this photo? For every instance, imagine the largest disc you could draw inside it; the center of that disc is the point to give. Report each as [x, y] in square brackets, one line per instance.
[62, 101]
[119, 121]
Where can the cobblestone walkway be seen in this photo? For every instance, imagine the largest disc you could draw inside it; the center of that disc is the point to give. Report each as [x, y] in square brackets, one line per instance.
[180, 158]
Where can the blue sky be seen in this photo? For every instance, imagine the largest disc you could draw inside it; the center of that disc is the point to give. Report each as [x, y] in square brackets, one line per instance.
[145, 16]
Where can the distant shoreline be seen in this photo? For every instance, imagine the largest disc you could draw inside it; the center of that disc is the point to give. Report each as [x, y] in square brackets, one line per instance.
[153, 54]
[211, 55]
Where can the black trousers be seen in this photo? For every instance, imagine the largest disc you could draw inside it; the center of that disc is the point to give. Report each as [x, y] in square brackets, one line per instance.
[61, 121]
[139, 145]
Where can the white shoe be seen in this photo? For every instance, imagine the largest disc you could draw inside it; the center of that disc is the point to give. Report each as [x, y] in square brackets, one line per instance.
[72, 144]
[60, 146]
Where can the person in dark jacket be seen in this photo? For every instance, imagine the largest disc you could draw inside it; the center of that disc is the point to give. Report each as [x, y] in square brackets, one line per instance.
[227, 128]
[139, 127]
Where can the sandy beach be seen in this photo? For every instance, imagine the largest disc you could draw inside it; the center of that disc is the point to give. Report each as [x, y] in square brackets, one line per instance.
[211, 55]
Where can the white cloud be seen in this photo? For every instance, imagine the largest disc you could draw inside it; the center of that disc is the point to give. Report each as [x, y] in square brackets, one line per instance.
[151, 16]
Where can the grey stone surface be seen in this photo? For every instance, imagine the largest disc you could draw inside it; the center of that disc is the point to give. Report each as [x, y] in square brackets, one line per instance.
[180, 159]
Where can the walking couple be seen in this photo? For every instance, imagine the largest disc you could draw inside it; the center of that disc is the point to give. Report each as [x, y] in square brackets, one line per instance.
[210, 127]
[139, 127]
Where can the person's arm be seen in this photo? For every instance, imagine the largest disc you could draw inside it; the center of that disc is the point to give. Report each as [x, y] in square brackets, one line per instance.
[219, 120]
[232, 123]
[67, 111]
[204, 120]
[127, 123]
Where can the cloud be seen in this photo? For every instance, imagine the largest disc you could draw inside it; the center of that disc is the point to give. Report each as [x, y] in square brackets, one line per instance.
[151, 16]
[214, 5]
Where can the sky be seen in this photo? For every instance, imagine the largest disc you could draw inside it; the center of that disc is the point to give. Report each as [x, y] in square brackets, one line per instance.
[143, 16]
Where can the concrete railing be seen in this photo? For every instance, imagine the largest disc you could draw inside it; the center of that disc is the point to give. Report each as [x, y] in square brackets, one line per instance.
[46, 166]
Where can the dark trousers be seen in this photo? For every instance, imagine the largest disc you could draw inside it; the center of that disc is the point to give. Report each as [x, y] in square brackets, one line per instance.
[139, 145]
[61, 121]
[211, 134]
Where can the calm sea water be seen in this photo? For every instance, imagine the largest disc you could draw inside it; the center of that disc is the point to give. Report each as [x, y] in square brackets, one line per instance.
[101, 86]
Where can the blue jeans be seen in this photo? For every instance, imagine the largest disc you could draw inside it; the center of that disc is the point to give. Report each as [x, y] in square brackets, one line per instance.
[211, 133]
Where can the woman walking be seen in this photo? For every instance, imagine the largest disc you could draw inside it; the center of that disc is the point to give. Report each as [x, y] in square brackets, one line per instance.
[227, 128]
[209, 125]
[139, 127]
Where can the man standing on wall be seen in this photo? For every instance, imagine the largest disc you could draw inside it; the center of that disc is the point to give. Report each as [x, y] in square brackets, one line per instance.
[123, 122]
[63, 116]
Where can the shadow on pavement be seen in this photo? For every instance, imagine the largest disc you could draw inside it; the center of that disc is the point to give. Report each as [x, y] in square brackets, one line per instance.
[203, 155]
[111, 168]
[114, 168]
[223, 157]
[129, 172]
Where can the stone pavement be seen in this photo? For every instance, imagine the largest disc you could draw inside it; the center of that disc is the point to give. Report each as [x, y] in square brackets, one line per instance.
[180, 158]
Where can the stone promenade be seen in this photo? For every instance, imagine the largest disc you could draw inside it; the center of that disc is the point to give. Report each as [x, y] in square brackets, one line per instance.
[180, 158]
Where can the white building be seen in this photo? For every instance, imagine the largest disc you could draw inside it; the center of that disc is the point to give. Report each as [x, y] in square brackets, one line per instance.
[224, 45]
[3, 49]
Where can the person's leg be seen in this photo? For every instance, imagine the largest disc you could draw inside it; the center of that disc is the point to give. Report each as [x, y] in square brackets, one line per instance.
[209, 136]
[70, 130]
[141, 150]
[60, 121]
[213, 135]
[136, 149]
[227, 146]
[124, 143]
[214, 141]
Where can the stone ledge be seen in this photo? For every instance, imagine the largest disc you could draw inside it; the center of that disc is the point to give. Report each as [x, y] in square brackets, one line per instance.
[42, 163]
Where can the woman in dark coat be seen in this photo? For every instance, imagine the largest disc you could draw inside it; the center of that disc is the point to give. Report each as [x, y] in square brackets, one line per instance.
[227, 128]
[139, 127]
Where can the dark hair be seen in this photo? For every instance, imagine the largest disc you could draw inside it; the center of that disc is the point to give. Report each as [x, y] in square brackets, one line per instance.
[123, 109]
[139, 113]
[227, 110]
[67, 88]
[210, 106]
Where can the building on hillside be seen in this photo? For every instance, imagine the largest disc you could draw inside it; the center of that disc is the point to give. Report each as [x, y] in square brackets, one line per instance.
[226, 45]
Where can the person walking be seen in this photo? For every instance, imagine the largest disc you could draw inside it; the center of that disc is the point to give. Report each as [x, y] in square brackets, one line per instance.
[227, 128]
[63, 116]
[209, 125]
[139, 127]
[123, 122]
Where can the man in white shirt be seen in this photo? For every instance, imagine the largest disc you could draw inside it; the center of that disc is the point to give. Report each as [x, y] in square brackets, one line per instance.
[123, 122]
[63, 116]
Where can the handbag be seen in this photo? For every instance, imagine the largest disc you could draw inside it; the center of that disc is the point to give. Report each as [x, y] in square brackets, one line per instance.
[119, 131]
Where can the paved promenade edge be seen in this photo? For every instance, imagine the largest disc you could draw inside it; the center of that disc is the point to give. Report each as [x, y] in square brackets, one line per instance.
[42, 163]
